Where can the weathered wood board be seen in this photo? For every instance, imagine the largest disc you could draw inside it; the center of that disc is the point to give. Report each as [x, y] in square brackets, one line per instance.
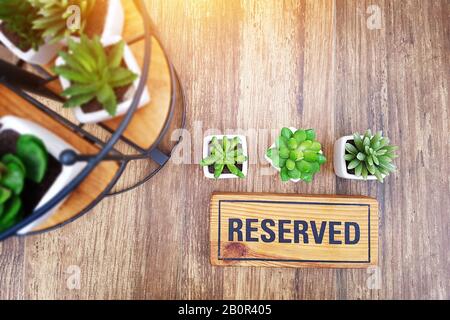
[270, 230]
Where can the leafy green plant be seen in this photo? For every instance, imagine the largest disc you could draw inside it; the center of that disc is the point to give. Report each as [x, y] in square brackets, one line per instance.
[53, 16]
[94, 73]
[29, 162]
[297, 154]
[370, 154]
[225, 153]
[17, 18]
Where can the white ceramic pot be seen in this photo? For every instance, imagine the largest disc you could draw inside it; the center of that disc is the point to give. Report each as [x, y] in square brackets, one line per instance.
[55, 147]
[340, 165]
[276, 168]
[206, 153]
[44, 55]
[115, 20]
[122, 108]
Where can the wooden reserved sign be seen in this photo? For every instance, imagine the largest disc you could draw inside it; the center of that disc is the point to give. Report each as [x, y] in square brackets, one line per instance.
[270, 230]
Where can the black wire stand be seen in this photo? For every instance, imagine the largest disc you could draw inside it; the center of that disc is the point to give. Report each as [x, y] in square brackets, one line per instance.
[21, 82]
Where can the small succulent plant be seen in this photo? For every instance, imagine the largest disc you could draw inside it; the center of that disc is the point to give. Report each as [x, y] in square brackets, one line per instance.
[370, 155]
[297, 154]
[225, 153]
[94, 73]
[29, 162]
[53, 17]
[17, 18]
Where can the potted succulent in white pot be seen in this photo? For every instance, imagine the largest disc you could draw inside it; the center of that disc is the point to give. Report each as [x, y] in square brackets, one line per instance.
[30, 173]
[296, 154]
[364, 157]
[225, 157]
[99, 79]
[59, 19]
[19, 36]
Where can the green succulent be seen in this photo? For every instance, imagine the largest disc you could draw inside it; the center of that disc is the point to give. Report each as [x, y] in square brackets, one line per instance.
[29, 162]
[370, 155]
[225, 153]
[297, 154]
[94, 73]
[53, 17]
[17, 17]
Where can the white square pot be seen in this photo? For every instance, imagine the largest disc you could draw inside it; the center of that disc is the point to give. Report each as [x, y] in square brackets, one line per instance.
[45, 53]
[122, 108]
[206, 152]
[55, 147]
[340, 165]
[271, 162]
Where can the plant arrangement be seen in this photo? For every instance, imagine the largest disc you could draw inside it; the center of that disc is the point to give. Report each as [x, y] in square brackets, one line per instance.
[297, 155]
[369, 156]
[53, 15]
[34, 29]
[17, 18]
[226, 155]
[95, 73]
[28, 163]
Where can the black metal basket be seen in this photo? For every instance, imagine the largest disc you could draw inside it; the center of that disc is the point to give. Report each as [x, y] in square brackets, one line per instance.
[20, 81]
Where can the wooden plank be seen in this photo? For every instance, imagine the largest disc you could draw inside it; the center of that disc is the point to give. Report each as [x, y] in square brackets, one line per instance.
[95, 183]
[133, 21]
[12, 264]
[275, 230]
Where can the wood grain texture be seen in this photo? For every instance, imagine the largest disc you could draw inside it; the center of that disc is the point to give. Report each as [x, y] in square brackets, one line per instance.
[277, 231]
[260, 65]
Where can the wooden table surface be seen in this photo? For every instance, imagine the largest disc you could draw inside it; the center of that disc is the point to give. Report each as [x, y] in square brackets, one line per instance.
[261, 65]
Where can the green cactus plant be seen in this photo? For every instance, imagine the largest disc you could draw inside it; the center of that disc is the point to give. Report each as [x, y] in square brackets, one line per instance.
[225, 153]
[17, 18]
[297, 154]
[370, 155]
[29, 162]
[53, 16]
[94, 73]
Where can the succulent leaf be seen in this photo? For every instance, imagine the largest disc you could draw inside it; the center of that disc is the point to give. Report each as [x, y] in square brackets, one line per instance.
[351, 149]
[10, 213]
[287, 133]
